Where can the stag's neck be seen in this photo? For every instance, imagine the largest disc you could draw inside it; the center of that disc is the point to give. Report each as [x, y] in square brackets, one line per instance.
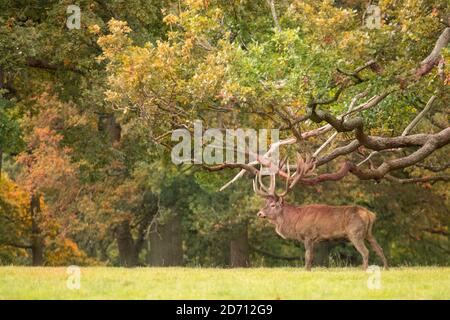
[290, 207]
[286, 222]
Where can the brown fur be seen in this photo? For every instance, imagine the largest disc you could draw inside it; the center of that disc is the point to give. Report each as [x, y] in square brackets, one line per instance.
[313, 223]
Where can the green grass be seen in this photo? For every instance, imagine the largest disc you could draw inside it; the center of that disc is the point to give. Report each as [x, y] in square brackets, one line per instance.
[209, 283]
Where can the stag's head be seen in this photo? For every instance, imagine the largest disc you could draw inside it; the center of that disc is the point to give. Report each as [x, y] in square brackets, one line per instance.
[274, 201]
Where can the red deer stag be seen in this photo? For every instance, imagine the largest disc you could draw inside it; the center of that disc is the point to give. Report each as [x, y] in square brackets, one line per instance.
[313, 223]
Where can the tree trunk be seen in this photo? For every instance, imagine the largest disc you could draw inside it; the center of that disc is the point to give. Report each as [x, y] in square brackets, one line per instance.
[103, 250]
[127, 251]
[37, 249]
[128, 254]
[166, 243]
[239, 248]
[322, 254]
[37, 241]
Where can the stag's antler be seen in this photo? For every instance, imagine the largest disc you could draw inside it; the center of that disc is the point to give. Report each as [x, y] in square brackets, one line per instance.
[305, 167]
[262, 190]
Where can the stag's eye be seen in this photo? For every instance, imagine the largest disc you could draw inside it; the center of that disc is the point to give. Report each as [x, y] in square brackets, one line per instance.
[272, 205]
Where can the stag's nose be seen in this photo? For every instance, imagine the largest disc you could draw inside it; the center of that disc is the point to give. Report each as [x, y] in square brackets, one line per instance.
[260, 215]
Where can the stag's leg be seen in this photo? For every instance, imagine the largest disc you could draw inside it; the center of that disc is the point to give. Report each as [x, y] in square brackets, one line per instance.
[378, 250]
[359, 245]
[309, 254]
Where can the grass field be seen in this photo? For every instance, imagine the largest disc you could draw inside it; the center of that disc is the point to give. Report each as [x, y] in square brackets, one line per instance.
[200, 283]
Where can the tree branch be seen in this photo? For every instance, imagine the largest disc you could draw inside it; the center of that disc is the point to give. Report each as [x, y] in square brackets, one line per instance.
[271, 4]
[42, 64]
[17, 245]
[219, 167]
[433, 168]
[419, 116]
[418, 180]
[349, 148]
[434, 57]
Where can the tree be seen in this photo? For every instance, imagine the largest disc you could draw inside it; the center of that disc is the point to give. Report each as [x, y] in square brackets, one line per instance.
[41, 56]
[335, 88]
[11, 140]
[282, 80]
[47, 170]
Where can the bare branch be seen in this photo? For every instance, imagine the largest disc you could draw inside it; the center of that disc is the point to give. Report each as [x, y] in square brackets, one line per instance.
[271, 4]
[435, 56]
[433, 168]
[272, 149]
[219, 167]
[334, 135]
[16, 245]
[349, 148]
[338, 175]
[325, 144]
[427, 179]
[372, 102]
[419, 116]
[407, 129]
[429, 143]
[343, 85]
